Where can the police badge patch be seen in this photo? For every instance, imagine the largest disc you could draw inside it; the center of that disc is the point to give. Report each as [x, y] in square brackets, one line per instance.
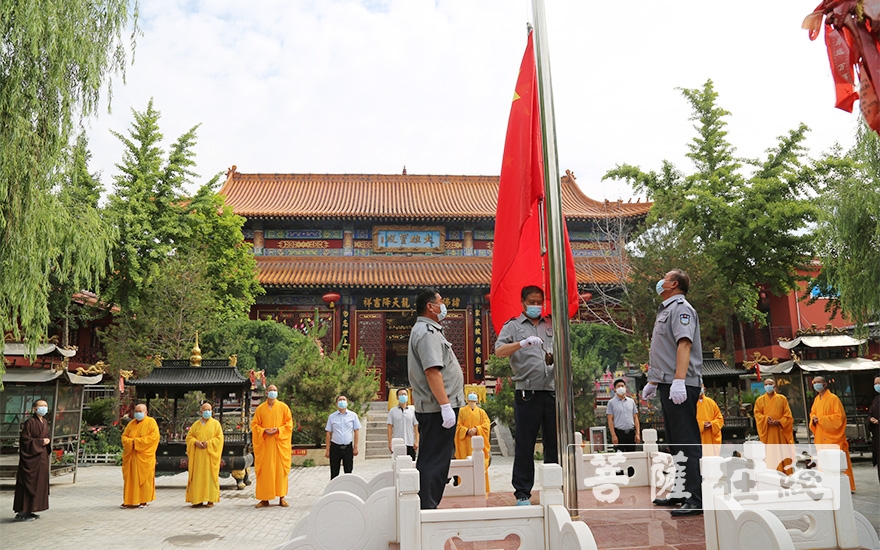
[685, 318]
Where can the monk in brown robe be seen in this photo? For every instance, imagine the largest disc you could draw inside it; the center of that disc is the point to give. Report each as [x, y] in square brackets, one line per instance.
[874, 425]
[828, 423]
[32, 480]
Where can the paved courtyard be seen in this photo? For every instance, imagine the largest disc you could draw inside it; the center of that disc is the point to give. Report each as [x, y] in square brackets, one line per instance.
[87, 514]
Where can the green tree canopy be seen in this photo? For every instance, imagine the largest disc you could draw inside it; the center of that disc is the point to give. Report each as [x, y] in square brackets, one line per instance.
[848, 233]
[54, 59]
[259, 345]
[738, 223]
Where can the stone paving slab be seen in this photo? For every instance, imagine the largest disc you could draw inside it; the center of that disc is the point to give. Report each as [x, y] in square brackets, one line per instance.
[86, 515]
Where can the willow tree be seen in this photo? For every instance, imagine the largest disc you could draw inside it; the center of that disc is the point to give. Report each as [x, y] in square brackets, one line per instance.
[848, 233]
[55, 58]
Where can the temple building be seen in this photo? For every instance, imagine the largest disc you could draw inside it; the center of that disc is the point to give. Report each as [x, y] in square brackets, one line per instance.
[357, 247]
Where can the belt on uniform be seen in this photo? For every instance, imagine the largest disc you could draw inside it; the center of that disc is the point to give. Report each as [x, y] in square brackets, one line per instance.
[340, 446]
[618, 430]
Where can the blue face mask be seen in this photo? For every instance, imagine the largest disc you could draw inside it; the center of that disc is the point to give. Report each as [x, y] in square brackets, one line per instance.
[402, 398]
[206, 414]
[272, 395]
[533, 312]
[659, 287]
[769, 389]
[818, 387]
[472, 397]
[877, 388]
[342, 404]
[42, 411]
[140, 415]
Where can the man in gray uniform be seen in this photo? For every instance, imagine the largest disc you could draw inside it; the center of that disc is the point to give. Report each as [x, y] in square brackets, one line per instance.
[438, 393]
[528, 341]
[676, 364]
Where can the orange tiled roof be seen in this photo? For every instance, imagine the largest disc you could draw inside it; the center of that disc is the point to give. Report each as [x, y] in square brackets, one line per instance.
[399, 271]
[390, 196]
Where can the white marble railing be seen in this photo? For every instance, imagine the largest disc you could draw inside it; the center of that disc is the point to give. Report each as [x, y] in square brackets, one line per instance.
[356, 514]
[645, 468]
[747, 505]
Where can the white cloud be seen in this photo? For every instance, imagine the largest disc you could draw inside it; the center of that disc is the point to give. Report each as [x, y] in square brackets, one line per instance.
[335, 86]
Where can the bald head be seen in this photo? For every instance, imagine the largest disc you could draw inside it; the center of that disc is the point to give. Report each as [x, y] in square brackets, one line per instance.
[140, 408]
[41, 403]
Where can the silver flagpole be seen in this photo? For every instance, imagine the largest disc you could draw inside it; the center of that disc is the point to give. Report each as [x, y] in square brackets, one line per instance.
[556, 249]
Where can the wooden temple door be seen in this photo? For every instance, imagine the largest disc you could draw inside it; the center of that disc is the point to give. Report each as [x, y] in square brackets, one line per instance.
[369, 337]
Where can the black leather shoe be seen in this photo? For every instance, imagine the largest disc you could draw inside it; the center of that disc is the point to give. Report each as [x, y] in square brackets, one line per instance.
[668, 501]
[33, 515]
[23, 517]
[687, 509]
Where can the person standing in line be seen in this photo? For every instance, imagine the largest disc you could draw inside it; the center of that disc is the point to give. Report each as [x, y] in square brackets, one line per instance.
[874, 425]
[343, 427]
[710, 420]
[775, 427]
[139, 443]
[528, 341]
[32, 478]
[622, 414]
[472, 420]
[402, 424]
[204, 448]
[271, 431]
[438, 391]
[828, 423]
[675, 373]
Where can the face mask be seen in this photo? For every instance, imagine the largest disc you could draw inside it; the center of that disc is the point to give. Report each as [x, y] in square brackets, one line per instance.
[342, 404]
[42, 411]
[272, 395]
[621, 391]
[702, 391]
[402, 398]
[206, 414]
[818, 387]
[769, 389]
[472, 397]
[533, 312]
[877, 388]
[140, 416]
[659, 287]
[442, 314]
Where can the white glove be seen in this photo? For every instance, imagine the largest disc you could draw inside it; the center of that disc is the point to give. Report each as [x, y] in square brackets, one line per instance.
[531, 341]
[649, 391]
[677, 392]
[448, 415]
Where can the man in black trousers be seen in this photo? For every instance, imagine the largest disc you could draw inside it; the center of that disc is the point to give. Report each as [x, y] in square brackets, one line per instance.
[675, 373]
[438, 392]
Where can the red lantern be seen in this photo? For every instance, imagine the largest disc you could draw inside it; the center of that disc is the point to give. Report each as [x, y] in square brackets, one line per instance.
[486, 298]
[331, 298]
[587, 296]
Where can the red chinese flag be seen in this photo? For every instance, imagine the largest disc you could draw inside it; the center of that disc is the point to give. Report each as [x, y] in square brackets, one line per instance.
[516, 257]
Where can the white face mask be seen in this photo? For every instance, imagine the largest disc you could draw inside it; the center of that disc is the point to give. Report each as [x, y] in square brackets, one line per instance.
[621, 391]
[659, 287]
[442, 314]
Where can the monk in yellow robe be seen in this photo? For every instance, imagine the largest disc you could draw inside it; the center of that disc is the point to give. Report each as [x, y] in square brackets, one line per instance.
[271, 429]
[472, 420]
[204, 446]
[139, 443]
[828, 423]
[710, 420]
[775, 428]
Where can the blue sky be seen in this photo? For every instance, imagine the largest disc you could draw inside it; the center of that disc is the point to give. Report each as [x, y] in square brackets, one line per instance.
[369, 86]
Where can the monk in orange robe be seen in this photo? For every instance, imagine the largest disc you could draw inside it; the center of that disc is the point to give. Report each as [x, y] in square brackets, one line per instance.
[472, 420]
[204, 447]
[828, 423]
[711, 421]
[139, 443]
[271, 429]
[775, 427]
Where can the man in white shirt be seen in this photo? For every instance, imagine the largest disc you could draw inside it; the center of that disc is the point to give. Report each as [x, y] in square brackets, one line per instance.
[342, 430]
[623, 419]
[402, 424]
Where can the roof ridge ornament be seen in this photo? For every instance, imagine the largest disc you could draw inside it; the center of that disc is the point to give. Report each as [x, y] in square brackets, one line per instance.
[195, 360]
